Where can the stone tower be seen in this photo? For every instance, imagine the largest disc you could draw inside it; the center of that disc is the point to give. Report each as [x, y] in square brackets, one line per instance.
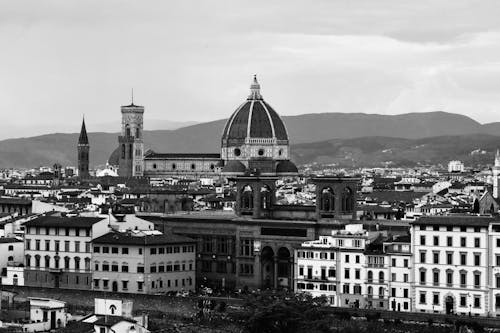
[83, 153]
[496, 174]
[131, 146]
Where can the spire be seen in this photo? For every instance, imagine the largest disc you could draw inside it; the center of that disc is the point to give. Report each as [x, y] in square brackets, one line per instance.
[255, 89]
[83, 139]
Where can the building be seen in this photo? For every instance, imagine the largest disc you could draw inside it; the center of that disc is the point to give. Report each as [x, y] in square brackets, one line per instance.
[57, 251]
[143, 262]
[455, 166]
[131, 146]
[50, 313]
[83, 153]
[255, 138]
[160, 166]
[400, 272]
[451, 264]
[12, 250]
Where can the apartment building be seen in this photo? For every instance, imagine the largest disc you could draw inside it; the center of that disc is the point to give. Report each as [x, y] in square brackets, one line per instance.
[146, 262]
[334, 266]
[451, 264]
[57, 251]
[400, 272]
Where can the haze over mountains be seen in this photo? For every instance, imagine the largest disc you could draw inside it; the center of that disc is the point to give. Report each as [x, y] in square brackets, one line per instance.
[343, 138]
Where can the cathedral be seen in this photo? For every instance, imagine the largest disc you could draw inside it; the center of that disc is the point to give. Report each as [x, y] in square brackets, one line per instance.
[254, 140]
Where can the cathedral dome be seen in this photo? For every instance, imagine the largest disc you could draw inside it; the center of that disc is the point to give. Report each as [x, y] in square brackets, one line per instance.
[254, 119]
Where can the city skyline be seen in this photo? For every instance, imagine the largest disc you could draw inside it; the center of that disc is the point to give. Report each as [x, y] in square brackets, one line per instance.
[84, 58]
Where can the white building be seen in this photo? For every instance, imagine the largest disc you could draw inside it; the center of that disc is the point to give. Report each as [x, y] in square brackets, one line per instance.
[455, 166]
[451, 264]
[400, 270]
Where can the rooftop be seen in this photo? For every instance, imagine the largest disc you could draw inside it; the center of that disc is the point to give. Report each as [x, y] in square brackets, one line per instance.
[456, 220]
[124, 238]
[56, 221]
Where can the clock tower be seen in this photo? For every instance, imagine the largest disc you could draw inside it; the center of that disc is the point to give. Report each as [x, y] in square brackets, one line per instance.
[131, 145]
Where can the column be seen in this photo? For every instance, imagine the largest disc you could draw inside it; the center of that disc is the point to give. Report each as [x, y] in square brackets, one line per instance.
[275, 272]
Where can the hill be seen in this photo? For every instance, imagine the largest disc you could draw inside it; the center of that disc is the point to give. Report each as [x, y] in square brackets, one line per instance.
[205, 137]
[472, 149]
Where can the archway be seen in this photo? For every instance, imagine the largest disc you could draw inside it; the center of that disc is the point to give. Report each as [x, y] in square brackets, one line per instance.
[246, 202]
[267, 267]
[326, 202]
[265, 197]
[449, 304]
[284, 267]
[347, 200]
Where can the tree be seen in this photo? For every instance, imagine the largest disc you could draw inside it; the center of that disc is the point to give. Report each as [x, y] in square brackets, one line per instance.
[283, 312]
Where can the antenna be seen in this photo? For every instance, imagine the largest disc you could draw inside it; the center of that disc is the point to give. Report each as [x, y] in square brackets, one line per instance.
[132, 96]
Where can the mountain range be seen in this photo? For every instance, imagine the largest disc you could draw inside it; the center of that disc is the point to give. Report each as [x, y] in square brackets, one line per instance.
[324, 137]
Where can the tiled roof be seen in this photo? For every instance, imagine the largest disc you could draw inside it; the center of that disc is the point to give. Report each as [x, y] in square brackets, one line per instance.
[124, 238]
[456, 220]
[4, 240]
[153, 155]
[56, 221]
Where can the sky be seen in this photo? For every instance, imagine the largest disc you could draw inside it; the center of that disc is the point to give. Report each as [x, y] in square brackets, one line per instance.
[194, 60]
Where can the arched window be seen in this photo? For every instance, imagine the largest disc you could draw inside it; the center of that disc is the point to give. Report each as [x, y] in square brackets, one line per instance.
[127, 130]
[47, 261]
[66, 262]
[347, 200]
[96, 265]
[370, 290]
[87, 264]
[370, 276]
[37, 260]
[137, 133]
[28, 260]
[77, 263]
[381, 292]
[125, 267]
[247, 198]
[381, 277]
[123, 151]
[327, 200]
[265, 197]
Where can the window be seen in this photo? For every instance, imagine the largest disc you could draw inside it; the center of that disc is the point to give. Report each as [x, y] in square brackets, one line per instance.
[97, 249]
[435, 274]
[140, 268]
[405, 277]
[422, 276]
[347, 258]
[37, 245]
[477, 301]
[405, 293]
[47, 245]
[449, 258]
[393, 261]
[498, 242]
[140, 285]
[463, 279]
[463, 301]
[105, 266]
[152, 250]
[28, 244]
[331, 272]
[357, 274]
[449, 241]
[463, 259]
[477, 279]
[463, 242]
[357, 259]
[436, 240]
[435, 298]
[152, 268]
[422, 257]
[125, 285]
[405, 263]
[435, 227]
[105, 284]
[96, 283]
[422, 298]
[477, 242]
[105, 249]
[114, 250]
[77, 246]
[477, 259]
[422, 240]
[435, 256]
[125, 267]
[346, 273]
[463, 229]
[66, 246]
[449, 278]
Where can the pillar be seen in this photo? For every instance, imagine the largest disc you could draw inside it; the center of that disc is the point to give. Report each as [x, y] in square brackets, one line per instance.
[275, 272]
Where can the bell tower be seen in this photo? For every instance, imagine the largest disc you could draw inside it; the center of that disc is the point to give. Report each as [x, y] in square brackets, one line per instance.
[131, 145]
[83, 153]
[496, 174]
